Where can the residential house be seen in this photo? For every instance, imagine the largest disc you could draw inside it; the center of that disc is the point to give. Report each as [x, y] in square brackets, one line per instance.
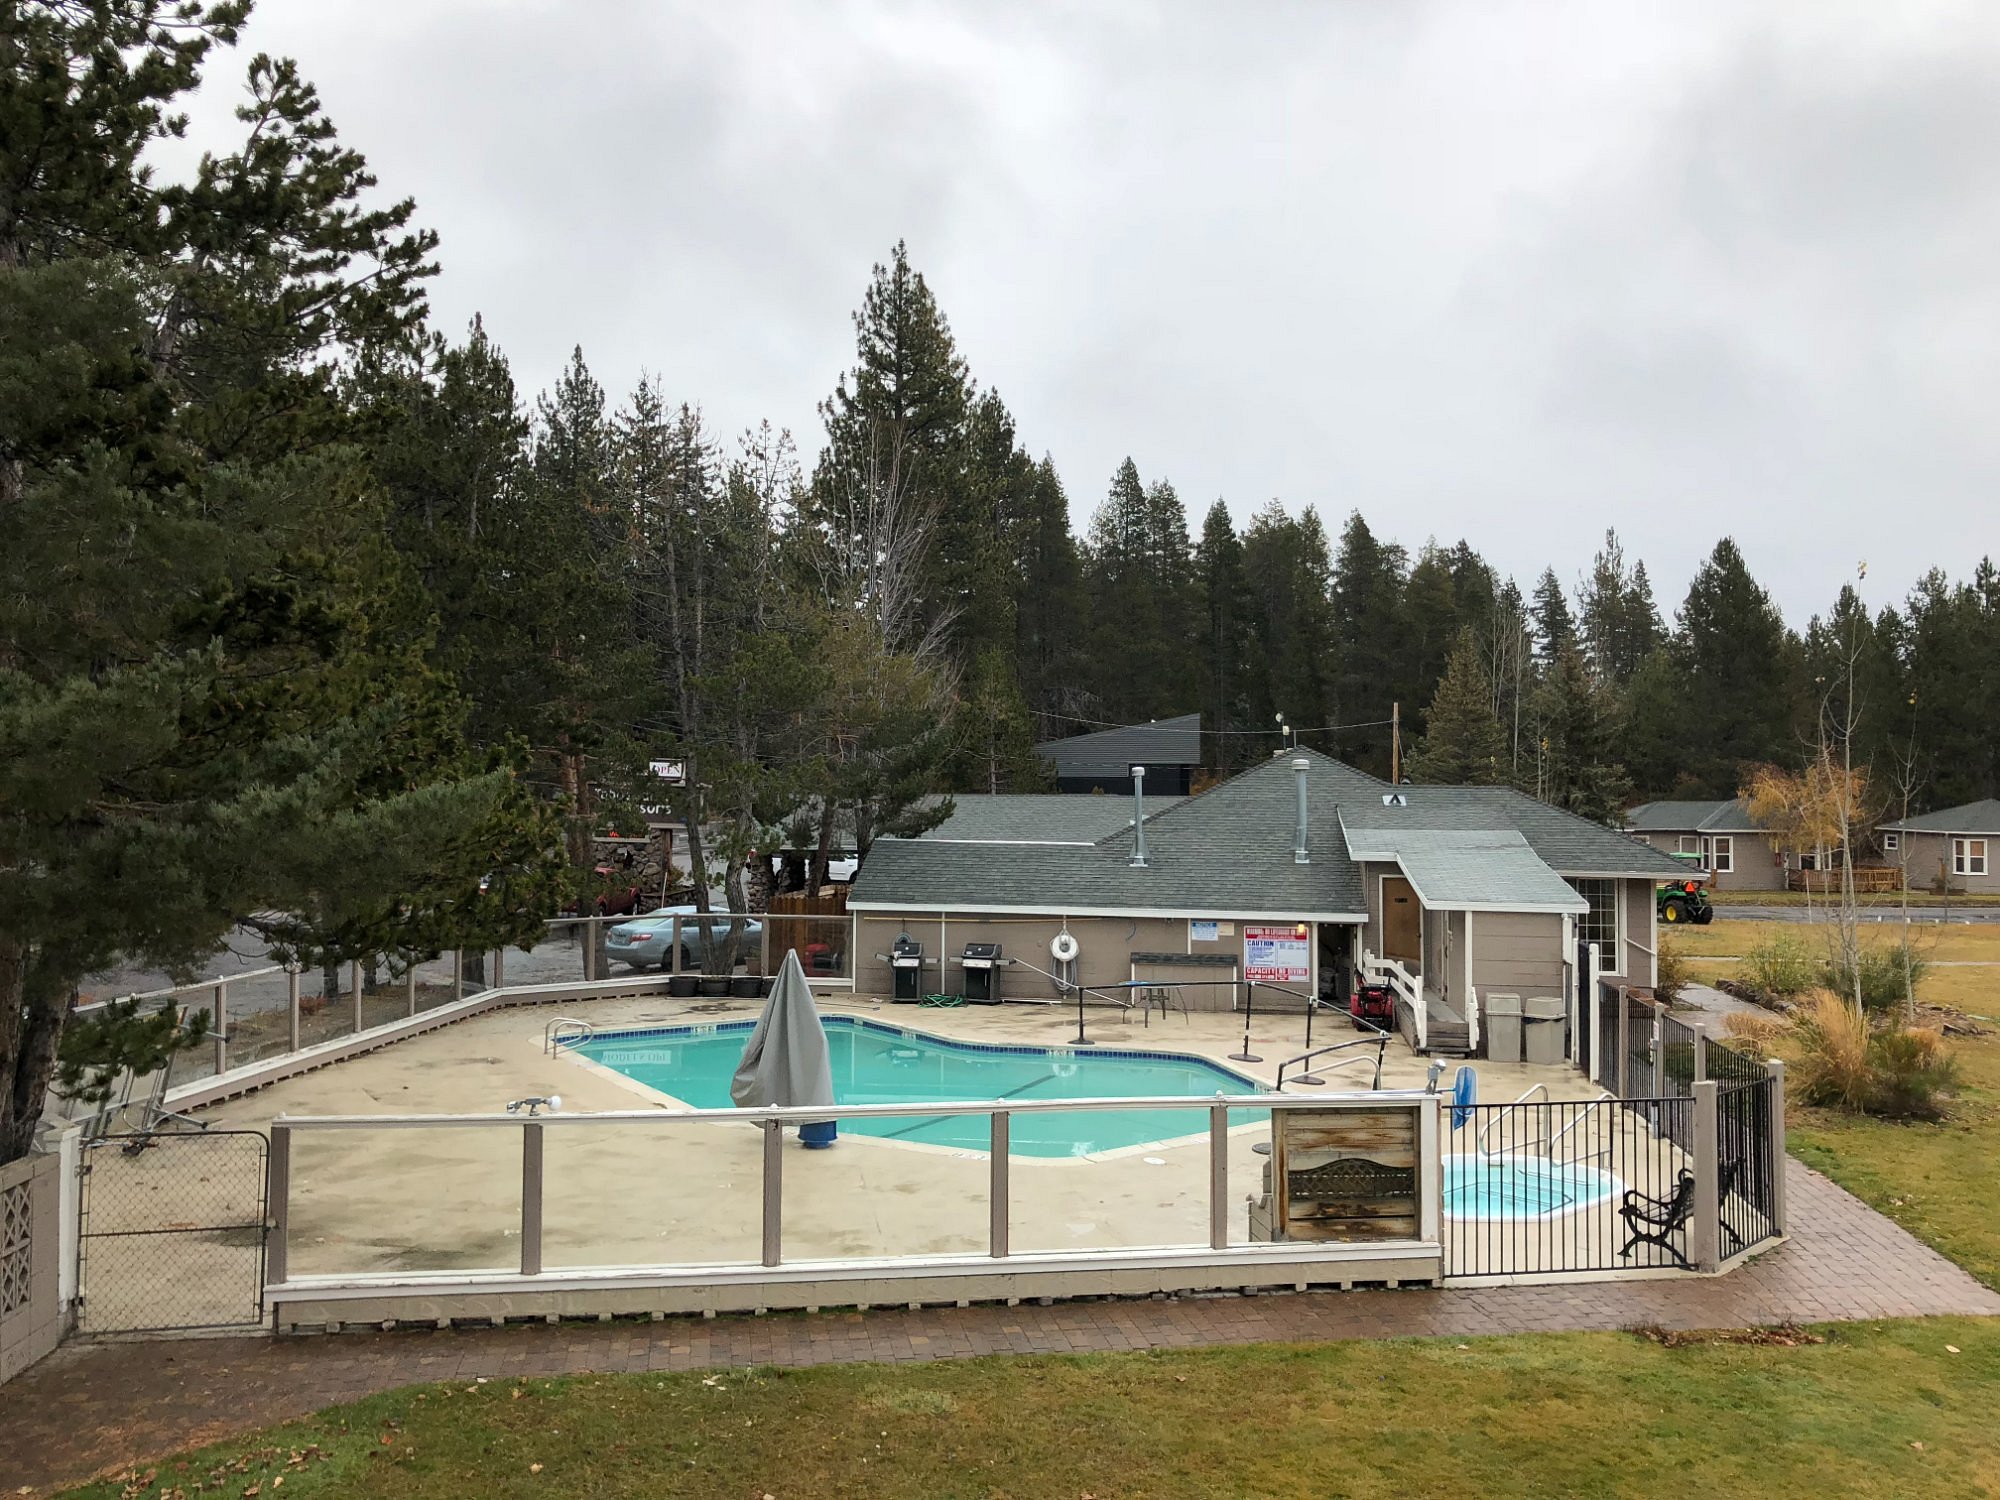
[1719, 836]
[1954, 848]
[1299, 873]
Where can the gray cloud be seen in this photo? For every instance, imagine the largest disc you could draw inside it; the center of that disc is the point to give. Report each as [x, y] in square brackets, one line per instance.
[1507, 271]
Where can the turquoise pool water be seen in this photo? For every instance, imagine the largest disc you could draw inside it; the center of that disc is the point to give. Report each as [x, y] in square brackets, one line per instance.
[1521, 1187]
[876, 1064]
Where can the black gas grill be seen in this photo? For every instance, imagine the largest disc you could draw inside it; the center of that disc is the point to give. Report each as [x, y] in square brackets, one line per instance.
[981, 962]
[906, 957]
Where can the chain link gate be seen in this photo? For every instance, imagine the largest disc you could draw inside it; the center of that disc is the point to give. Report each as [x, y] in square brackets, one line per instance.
[173, 1231]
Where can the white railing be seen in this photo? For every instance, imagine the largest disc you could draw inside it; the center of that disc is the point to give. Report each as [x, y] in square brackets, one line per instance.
[286, 1130]
[1409, 987]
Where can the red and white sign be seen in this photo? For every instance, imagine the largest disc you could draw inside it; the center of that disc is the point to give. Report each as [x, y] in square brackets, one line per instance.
[1277, 955]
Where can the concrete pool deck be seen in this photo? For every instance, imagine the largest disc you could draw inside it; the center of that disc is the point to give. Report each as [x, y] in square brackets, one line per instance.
[405, 1200]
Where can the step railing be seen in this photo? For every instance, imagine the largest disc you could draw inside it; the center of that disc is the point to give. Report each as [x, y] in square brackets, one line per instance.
[1408, 987]
[1379, 1043]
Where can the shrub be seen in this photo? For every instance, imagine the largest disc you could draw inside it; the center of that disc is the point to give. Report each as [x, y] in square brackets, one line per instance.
[1882, 975]
[1779, 968]
[1832, 1066]
[1759, 1034]
[1901, 1072]
[1913, 1072]
[1671, 974]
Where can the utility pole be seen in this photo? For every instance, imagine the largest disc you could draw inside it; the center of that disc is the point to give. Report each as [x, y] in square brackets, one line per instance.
[1395, 744]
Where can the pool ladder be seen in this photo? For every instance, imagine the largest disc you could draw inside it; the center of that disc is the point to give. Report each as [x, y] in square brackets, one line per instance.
[554, 1036]
[1549, 1145]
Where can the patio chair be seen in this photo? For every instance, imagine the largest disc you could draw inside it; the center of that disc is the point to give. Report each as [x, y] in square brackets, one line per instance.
[1654, 1221]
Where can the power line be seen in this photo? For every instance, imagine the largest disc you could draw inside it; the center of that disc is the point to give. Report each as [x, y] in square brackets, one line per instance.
[1288, 729]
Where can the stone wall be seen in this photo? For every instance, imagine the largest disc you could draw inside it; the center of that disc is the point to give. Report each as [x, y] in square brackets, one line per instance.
[31, 1306]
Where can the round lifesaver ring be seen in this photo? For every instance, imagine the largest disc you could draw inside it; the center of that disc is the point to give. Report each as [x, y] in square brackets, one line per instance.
[1063, 948]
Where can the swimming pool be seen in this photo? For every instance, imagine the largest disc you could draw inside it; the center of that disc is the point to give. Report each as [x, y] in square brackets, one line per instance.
[1521, 1187]
[878, 1064]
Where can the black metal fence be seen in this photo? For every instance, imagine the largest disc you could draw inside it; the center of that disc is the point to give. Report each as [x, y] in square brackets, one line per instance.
[1747, 1161]
[1544, 1187]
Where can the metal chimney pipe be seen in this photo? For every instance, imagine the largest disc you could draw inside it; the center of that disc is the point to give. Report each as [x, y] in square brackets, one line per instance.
[1138, 860]
[1302, 851]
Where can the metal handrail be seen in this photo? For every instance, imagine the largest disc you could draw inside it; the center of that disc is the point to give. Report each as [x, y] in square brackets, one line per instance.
[1603, 1098]
[552, 1034]
[1479, 1144]
[1379, 1043]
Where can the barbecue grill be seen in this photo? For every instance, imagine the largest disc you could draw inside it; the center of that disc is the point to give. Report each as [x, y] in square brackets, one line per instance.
[981, 962]
[906, 957]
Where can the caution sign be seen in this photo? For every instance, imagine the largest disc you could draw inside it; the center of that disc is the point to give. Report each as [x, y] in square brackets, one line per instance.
[1279, 955]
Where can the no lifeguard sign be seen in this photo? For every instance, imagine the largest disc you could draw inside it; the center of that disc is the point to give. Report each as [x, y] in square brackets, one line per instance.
[1277, 954]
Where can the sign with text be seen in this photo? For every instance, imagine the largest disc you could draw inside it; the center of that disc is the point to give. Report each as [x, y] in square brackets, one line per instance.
[1202, 932]
[1277, 954]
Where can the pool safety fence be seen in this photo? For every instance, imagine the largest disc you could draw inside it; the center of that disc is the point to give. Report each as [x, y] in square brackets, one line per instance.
[1673, 1182]
[760, 1223]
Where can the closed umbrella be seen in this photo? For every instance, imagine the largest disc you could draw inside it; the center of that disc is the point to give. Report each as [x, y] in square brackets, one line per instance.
[786, 1061]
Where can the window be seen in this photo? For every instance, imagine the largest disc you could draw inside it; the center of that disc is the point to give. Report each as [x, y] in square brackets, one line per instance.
[1599, 925]
[1722, 855]
[1690, 843]
[1968, 856]
[1891, 842]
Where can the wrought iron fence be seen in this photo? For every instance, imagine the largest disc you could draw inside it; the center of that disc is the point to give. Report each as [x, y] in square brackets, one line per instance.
[1728, 1067]
[1748, 1161]
[1544, 1187]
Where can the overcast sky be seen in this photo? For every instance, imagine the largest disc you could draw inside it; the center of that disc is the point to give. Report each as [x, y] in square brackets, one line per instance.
[1512, 272]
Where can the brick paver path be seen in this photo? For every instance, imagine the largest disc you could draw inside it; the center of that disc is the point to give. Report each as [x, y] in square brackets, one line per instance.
[93, 1407]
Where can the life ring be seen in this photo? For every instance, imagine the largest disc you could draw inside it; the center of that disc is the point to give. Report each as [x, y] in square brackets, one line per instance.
[1063, 948]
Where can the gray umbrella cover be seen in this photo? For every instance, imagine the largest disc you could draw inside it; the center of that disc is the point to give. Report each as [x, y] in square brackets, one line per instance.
[786, 1060]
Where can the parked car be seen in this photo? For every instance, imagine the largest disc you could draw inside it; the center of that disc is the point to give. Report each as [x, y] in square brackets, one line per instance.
[642, 942]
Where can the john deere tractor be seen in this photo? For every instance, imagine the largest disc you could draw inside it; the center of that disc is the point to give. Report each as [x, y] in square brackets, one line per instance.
[1685, 900]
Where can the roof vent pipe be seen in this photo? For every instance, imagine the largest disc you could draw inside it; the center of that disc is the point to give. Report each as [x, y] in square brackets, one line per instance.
[1301, 851]
[1138, 860]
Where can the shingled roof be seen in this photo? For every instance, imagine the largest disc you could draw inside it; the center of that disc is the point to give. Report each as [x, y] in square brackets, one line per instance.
[1228, 852]
[1729, 815]
[1982, 817]
[1113, 752]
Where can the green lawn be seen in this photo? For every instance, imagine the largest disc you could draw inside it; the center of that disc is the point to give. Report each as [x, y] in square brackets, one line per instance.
[1866, 898]
[1881, 1409]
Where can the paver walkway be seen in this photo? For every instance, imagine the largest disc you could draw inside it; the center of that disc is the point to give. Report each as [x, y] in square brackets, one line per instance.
[90, 1408]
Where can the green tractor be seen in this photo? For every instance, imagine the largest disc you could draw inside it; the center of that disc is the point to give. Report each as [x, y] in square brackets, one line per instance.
[1685, 900]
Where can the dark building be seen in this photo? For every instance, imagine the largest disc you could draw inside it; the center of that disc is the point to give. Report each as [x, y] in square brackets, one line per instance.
[1169, 749]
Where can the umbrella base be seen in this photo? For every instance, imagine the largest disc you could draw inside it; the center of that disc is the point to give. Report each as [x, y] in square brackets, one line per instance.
[818, 1134]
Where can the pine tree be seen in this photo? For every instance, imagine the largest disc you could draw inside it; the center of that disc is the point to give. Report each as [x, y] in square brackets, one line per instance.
[1366, 592]
[1619, 623]
[1050, 619]
[1555, 630]
[1463, 744]
[210, 666]
[1139, 571]
[1952, 643]
[1219, 584]
[1291, 667]
[1577, 766]
[898, 433]
[1742, 675]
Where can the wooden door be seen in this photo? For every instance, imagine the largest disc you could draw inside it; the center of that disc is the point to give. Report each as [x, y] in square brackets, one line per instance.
[1402, 922]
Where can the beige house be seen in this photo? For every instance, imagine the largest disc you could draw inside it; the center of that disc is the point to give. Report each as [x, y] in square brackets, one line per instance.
[1955, 849]
[1302, 874]
[1718, 837]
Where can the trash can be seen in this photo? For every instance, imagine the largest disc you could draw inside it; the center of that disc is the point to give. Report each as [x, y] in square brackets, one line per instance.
[1503, 1028]
[1543, 1017]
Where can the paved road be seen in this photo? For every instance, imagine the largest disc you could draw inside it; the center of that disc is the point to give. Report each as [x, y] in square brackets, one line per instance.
[1869, 914]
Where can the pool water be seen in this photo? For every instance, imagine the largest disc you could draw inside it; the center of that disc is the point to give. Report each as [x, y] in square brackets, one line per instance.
[877, 1064]
[1521, 1187]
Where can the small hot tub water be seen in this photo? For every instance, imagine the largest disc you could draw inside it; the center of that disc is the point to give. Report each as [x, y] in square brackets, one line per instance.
[1519, 1186]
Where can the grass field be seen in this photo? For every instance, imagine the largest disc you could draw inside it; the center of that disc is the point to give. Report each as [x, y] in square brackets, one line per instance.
[1866, 898]
[1882, 1409]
